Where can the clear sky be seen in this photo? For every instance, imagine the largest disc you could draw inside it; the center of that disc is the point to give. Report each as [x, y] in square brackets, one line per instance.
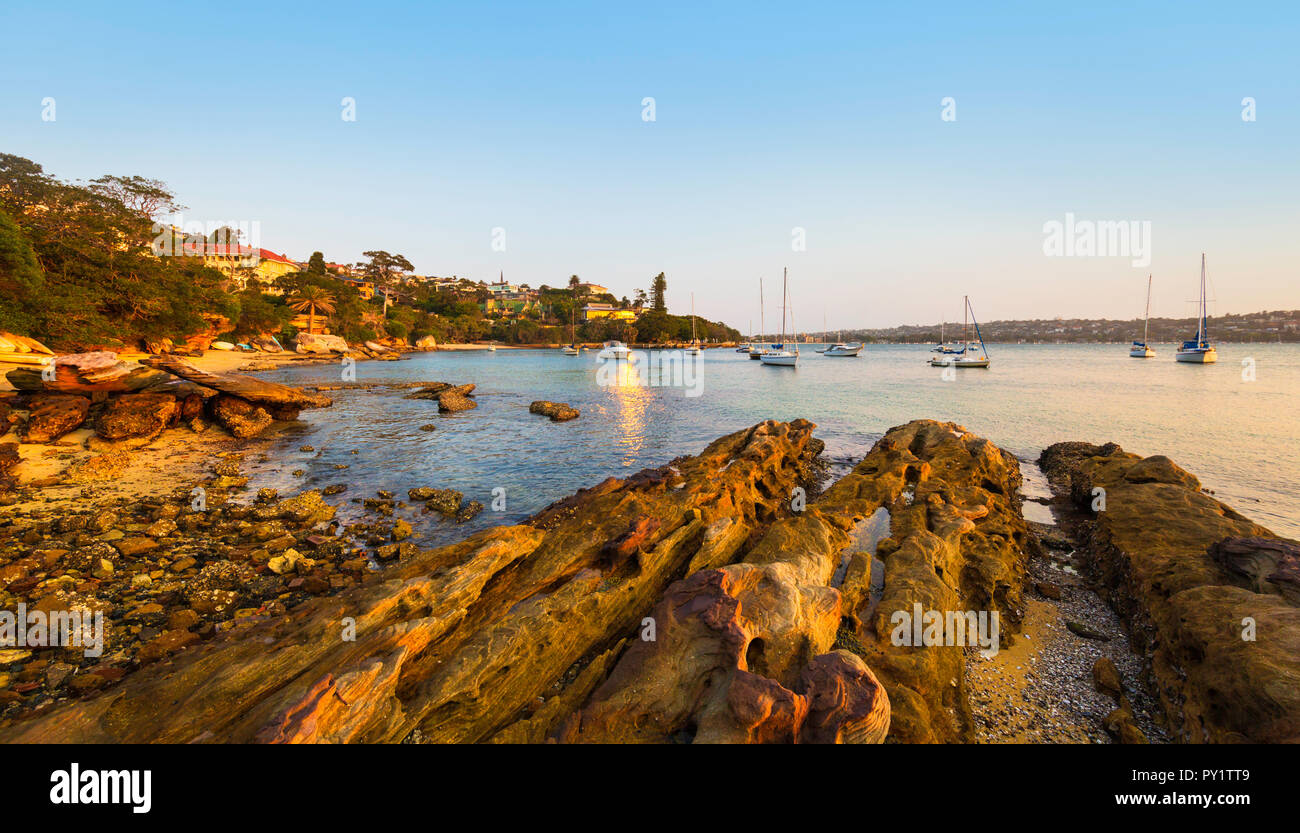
[768, 117]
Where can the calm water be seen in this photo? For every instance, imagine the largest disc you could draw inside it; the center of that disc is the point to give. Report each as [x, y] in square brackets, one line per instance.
[1239, 437]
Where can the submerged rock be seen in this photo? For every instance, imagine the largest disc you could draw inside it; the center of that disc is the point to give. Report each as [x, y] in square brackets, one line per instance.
[557, 411]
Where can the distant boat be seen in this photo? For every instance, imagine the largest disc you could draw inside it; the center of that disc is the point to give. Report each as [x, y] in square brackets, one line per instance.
[613, 350]
[744, 348]
[943, 346]
[778, 355]
[694, 349]
[1199, 350]
[1141, 349]
[839, 348]
[756, 350]
[572, 348]
[970, 355]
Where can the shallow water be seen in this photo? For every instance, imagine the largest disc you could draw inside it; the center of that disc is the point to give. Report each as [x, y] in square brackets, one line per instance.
[1239, 437]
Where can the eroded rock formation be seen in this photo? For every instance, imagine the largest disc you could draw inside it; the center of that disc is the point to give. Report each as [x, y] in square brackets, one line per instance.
[700, 601]
[1203, 589]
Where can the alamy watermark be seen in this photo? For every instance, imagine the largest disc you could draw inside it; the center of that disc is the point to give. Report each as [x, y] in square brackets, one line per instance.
[72, 628]
[935, 628]
[653, 369]
[1098, 238]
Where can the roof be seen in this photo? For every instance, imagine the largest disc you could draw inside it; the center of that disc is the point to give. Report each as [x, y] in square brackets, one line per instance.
[267, 254]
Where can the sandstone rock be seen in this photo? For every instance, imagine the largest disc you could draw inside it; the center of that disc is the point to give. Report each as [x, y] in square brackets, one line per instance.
[1184, 600]
[106, 466]
[557, 411]
[9, 460]
[446, 501]
[1081, 629]
[135, 545]
[1262, 565]
[53, 415]
[140, 416]
[257, 391]
[1121, 725]
[456, 399]
[529, 607]
[1105, 676]
[240, 417]
[318, 343]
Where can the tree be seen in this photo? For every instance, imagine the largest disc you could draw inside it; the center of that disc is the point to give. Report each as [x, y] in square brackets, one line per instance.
[312, 299]
[316, 263]
[384, 268]
[146, 197]
[574, 283]
[657, 288]
[638, 299]
[20, 279]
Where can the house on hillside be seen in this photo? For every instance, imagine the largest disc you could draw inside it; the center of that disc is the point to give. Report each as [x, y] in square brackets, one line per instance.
[592, 312]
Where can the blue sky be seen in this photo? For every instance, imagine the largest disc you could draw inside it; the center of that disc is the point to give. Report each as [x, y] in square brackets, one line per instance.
[824, 117]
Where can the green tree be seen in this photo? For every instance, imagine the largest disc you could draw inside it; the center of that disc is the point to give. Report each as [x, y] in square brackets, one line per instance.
[384, 268]
[657, 289]
[316, 263]
[20, 280]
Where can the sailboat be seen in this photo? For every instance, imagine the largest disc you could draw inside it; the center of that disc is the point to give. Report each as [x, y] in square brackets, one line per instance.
[572, 348]
[839, 348]
[756, 350]
[943, 346]
[1140, 349]
[744, 348]
[1199, 350]
[970, 355]
[778, 355]
[694, 349]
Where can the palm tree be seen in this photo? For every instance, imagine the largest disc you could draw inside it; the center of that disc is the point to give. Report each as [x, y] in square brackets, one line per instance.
[312, 299]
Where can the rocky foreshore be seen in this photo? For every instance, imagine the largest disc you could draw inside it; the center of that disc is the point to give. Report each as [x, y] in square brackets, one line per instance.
[724, 597]
[1212, 598]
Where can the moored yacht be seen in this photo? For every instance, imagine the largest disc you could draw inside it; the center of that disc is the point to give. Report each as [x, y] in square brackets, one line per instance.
[613, 350]
[1199, 350]
[970, 355]
[1141, 349]
[779, 355]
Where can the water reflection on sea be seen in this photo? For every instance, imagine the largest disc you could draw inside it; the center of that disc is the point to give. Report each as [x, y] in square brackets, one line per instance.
[1238, 436]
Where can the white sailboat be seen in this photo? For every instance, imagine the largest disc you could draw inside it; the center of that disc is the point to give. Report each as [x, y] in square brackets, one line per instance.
[572, 348]
[779, 355]
[613, 350]
[756, 350]
[694, 349]
[970, 355]
[839, 348]
[1141, 349]
[1199, 350]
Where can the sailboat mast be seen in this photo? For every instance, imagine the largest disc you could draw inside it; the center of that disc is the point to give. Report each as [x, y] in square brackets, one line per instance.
[965, 318]
[692, 318]
[1147, 325]
[784, 276]
[762, 317]
[1200, 329]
